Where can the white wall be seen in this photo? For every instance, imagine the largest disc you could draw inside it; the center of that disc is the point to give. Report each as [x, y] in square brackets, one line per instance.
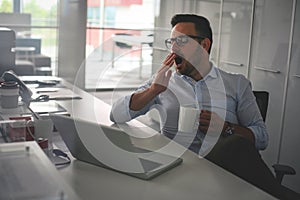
[72, 40]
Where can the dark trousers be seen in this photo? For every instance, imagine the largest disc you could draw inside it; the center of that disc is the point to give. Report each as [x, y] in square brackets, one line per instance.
[240, 157]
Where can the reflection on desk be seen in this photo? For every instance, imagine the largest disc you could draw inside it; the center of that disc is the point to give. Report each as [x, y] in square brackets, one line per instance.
[26, 173]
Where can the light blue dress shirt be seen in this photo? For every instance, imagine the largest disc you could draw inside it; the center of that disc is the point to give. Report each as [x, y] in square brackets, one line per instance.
[229, 95]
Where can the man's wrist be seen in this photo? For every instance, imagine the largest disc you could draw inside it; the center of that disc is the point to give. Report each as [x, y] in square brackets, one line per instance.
[228, 129]
[156, 89]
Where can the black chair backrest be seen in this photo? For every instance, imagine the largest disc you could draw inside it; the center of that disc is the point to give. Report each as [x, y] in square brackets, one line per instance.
[262, 100]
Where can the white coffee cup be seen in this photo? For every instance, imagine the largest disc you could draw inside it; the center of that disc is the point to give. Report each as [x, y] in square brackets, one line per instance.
[188, 121]
[9, 92]
[43, 129]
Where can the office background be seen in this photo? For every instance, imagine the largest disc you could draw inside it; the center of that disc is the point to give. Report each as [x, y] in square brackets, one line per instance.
[258, 38]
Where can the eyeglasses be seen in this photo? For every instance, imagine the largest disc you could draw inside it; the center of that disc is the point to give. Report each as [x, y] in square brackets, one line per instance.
[180, 40]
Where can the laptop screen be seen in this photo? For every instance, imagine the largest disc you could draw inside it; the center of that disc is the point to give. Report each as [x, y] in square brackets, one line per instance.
[110, 147]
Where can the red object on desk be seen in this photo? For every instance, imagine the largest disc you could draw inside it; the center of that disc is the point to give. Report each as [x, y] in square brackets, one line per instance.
[43, 143]
[13, 131]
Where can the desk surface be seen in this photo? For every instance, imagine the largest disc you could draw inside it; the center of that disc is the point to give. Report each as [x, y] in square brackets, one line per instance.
[195, 178]
[27, 173]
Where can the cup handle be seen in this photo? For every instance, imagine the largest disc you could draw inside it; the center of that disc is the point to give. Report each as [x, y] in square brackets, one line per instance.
[28, 123]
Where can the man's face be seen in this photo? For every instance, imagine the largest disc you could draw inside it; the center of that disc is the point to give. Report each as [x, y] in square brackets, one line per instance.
[191, 51]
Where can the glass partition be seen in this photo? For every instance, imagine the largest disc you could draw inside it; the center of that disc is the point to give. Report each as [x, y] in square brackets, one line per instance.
[119, 38]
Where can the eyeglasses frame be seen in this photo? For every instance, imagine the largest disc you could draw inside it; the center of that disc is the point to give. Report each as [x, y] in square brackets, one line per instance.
[171, 40]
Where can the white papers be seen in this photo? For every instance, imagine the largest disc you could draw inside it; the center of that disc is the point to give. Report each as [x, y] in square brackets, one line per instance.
[55, 93]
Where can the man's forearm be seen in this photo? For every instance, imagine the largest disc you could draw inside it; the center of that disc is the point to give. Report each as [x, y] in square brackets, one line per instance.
[140, 99]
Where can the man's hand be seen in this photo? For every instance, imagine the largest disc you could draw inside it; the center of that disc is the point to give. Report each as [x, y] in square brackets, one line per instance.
[216, 125]
[163, 75]
[140, 99]
[212, 121]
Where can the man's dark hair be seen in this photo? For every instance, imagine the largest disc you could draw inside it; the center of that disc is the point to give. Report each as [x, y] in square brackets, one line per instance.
[202, 25]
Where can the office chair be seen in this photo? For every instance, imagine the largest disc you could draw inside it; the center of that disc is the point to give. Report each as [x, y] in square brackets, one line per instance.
[150, 35]
[262, 100]
[121, 45]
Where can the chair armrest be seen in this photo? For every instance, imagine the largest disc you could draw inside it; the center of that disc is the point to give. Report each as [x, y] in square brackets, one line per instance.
[284, 169]
[281, 170]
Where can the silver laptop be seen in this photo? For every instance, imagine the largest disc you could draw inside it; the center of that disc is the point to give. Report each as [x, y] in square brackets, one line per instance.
[151, 162]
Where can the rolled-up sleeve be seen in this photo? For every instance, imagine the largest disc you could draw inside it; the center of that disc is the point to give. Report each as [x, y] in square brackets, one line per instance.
[121, 113]
[261, 136]
[120, 110]
[249, 115]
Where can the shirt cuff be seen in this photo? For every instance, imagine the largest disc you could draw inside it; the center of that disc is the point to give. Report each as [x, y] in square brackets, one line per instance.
[120, 110]
[261, 137]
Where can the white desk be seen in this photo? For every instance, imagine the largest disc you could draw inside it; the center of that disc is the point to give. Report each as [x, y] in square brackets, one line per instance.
[27, 173]
[133, 40]
[195, 178]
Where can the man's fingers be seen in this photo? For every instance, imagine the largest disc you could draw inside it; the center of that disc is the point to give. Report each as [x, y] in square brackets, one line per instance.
[164, 73]
[203, 128]
[169, 59]
[206, 112]
[204, 122]
[168, 62]
[205, 116]
[168, 75]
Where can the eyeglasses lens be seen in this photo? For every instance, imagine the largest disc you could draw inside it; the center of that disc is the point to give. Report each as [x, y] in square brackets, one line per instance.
[180, 41]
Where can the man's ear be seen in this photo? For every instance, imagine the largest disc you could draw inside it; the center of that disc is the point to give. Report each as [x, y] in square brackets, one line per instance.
[206, 44]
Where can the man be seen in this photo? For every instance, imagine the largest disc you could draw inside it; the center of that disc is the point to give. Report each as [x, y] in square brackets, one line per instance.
[228, 108]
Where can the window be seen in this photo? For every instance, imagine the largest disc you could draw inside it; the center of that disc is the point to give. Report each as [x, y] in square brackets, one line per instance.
[33, 19]
[106, 18]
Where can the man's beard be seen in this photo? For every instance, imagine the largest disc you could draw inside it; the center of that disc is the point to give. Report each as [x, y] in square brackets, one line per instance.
[191, 64]
[187, 69]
